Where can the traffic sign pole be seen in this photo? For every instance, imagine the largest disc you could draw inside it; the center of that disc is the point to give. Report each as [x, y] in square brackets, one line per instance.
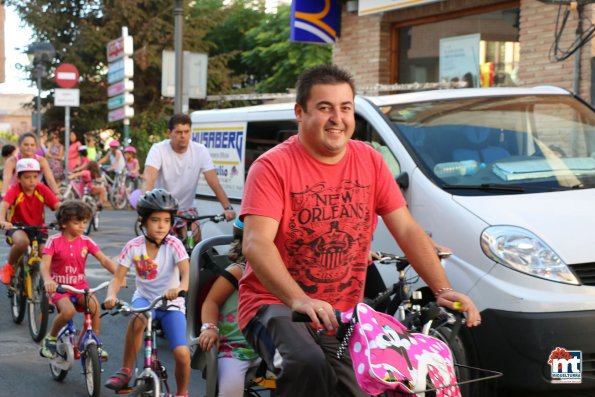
[120, 73]
[67, 77]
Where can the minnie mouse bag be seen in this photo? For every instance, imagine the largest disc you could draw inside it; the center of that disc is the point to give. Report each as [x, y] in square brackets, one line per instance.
[389, 359]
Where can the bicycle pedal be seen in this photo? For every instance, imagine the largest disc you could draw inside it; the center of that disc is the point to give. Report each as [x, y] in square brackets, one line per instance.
[124, 390]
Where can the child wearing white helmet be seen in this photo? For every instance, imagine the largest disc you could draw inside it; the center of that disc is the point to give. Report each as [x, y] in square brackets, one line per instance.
[24, 203]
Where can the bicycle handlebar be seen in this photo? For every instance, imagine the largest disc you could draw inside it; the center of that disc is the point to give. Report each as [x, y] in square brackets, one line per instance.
[213, 218]
[126, 308]
[22, 226]
[62, 288]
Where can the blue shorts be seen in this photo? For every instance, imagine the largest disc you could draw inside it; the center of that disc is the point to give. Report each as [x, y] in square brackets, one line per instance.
[173, 323]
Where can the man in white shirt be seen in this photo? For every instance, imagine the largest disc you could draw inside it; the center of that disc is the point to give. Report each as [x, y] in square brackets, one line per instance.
[175, 165]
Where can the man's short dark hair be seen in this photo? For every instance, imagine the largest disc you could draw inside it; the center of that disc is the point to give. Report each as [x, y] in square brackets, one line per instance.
[177, 119]
[8, 150]
[322, 74]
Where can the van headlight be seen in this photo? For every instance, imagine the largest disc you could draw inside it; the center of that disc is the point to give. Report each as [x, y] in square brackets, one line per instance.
[521, 250]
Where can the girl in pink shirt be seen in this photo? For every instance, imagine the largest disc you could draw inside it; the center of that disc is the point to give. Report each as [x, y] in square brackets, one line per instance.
[63, 262]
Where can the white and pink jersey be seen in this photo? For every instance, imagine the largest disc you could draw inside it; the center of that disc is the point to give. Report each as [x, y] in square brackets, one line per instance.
[155, 276]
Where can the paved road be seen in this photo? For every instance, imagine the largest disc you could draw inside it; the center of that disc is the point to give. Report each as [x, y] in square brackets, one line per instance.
[24, 373]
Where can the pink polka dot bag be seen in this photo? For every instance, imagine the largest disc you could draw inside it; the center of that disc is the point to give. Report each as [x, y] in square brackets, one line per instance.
[389, 359]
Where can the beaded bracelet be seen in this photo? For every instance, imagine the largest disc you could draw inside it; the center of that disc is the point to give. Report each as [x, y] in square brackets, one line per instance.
[206, 326]
[439, 291]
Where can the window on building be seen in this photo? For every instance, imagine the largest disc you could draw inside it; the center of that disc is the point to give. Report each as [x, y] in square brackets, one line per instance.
[480, 47]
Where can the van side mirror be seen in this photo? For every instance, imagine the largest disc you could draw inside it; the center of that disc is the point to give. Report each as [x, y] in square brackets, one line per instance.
[403, 180]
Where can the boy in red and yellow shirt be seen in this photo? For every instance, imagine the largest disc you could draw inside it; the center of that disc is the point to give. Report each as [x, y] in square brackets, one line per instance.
[24, 203]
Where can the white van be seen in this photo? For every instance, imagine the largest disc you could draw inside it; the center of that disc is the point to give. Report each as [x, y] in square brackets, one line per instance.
[505, 177]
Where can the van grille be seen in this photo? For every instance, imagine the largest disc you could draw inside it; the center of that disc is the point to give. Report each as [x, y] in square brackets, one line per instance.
[585, 273]
[588, 364]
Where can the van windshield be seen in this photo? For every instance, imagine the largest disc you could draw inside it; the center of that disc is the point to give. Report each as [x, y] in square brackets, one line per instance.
[504, 145]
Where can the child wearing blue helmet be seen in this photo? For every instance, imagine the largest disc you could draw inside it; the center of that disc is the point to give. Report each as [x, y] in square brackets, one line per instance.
[220, 327]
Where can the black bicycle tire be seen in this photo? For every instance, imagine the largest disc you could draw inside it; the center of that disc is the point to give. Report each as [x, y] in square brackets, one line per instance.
[95, 220]
[459, 353]
[92, 363]
[38, 330]
[119, 201]
[18, 301]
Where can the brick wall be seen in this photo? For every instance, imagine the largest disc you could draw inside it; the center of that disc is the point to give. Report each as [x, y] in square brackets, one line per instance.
[537, 26]
[364, 47]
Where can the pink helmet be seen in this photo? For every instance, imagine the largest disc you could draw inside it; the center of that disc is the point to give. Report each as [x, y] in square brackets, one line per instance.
[130, 149]
[114, 143]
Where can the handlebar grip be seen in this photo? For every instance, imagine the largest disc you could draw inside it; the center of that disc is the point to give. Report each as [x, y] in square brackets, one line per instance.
[60, 289]
[300, 317]
[182, 294]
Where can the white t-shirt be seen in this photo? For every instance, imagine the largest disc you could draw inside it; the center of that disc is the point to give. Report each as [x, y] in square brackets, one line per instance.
[155, 276]
[178, 173]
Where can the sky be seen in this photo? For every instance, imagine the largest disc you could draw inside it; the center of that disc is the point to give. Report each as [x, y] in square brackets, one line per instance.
[17, 39]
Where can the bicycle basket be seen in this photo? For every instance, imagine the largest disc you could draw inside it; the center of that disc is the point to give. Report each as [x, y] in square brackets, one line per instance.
[388, 358]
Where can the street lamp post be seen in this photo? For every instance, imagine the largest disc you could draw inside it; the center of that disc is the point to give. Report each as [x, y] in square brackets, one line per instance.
[39, 53]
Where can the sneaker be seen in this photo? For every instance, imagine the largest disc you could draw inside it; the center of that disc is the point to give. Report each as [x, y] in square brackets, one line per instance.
[48, 347]
[6, 273]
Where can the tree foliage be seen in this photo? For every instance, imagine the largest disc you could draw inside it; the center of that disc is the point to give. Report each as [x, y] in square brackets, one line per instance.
[245, 47]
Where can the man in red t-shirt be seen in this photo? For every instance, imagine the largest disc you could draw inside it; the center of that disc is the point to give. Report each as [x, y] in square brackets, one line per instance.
[308, 209]
[24, 203]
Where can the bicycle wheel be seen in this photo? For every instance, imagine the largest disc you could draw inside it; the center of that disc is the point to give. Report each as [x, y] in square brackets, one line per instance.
[119, 198]
[60, 365]
[92, 370]
[38, 308]
[66, 192]
[137, 230]
[18, 301]
[459, 355]
[95, 220]
[91, 202]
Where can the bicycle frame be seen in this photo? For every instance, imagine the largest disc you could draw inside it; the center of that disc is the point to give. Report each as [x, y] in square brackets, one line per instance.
[152, 366]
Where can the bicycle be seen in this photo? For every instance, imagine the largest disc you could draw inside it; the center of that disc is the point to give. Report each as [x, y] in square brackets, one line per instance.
[85, 345]
[72, 190]
[188, 240]
[152, 380]
[117, 192]
[417, 310]
[27, 288]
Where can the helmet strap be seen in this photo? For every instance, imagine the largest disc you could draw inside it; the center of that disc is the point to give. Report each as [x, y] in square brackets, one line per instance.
[151, 240]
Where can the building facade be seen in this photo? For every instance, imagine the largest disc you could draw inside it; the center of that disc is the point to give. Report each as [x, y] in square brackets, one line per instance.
[482, 42]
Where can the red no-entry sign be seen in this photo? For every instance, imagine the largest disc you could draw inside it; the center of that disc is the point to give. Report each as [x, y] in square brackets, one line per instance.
[67, 76]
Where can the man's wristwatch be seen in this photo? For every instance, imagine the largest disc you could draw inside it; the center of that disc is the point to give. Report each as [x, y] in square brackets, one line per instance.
[228, 208]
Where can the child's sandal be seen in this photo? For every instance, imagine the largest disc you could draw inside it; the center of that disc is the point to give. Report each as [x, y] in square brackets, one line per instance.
[119, 380]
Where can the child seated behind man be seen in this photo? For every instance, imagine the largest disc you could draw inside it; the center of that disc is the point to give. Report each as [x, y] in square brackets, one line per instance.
[161, 265]
[220, 327]
[63, 262]
[25, 200]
